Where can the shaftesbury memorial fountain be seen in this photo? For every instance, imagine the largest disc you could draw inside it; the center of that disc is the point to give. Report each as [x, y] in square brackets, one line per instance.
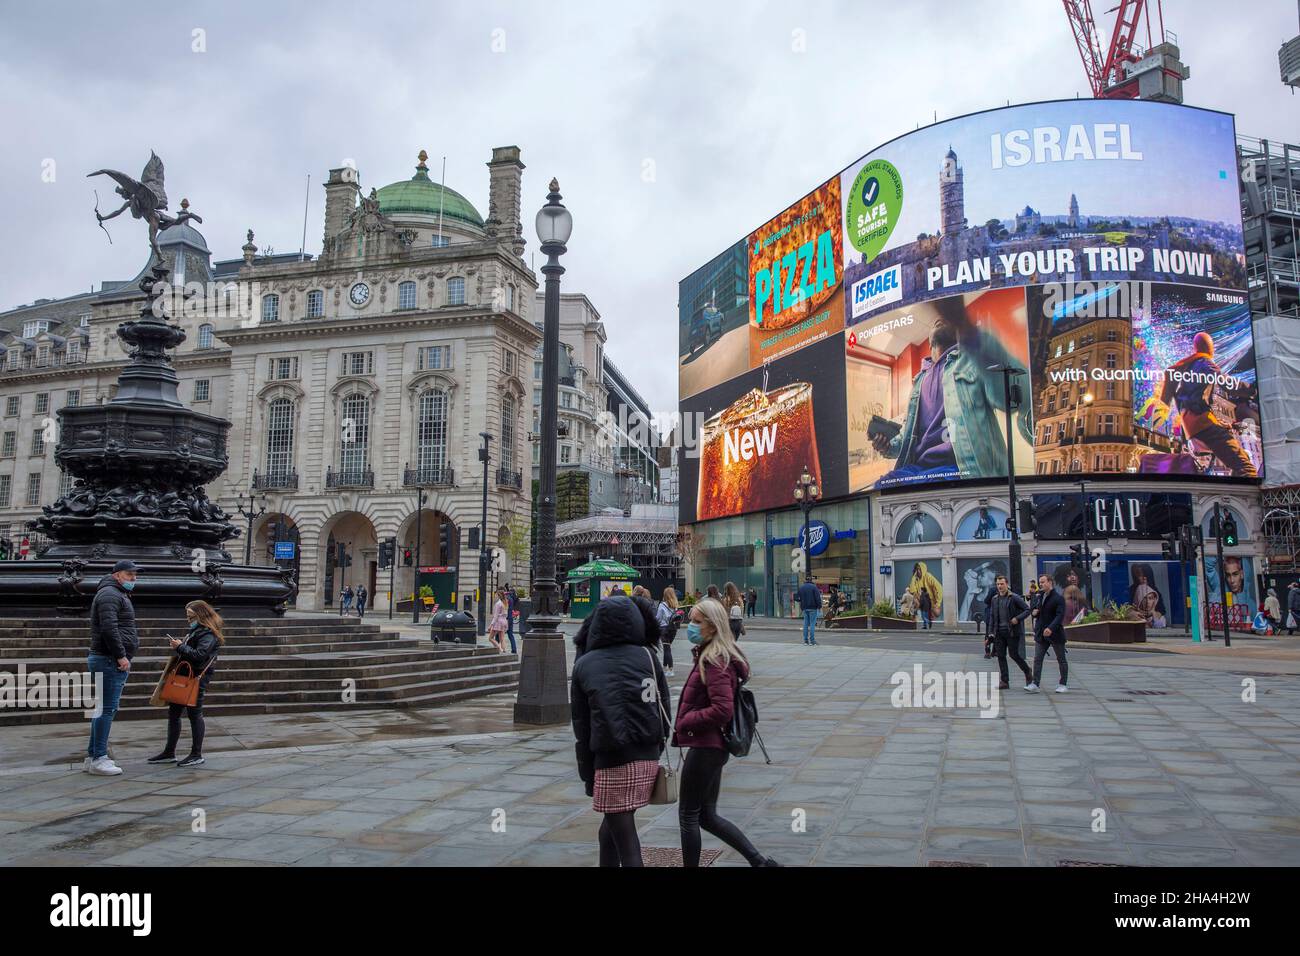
[141, 462]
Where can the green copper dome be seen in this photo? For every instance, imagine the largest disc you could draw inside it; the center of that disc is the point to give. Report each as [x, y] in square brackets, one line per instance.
[421, 196]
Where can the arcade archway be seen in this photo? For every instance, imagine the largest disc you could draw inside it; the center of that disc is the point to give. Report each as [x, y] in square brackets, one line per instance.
[350, 556]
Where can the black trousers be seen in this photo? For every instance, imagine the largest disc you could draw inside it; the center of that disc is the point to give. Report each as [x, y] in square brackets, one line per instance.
[668, 654]
[197, 726]
[697, 806]
[1057, 643]
[1005, 643]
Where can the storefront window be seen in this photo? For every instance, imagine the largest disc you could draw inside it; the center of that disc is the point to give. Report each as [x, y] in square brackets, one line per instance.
[845, 564]
[917, 528]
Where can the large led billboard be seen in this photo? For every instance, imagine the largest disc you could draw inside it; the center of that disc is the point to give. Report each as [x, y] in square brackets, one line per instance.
[1094, 244]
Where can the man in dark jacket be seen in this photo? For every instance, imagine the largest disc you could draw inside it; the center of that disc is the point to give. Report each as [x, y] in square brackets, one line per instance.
[1292, 607]
[114, 640]
[1048, 608]
[810, 602]
[1007, 612]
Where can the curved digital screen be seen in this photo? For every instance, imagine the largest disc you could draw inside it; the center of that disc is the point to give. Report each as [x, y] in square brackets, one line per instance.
[1095, 246]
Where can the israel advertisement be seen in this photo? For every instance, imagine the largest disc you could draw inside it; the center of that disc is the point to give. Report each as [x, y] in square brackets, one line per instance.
[1093, 247]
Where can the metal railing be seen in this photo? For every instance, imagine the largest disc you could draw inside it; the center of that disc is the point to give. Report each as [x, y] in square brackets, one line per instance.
[510, 479]
[428, 476]
[280, 478]
[350, 478]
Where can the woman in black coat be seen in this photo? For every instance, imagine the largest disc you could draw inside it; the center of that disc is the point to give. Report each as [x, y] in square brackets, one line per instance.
[199, 651]
[620, 703]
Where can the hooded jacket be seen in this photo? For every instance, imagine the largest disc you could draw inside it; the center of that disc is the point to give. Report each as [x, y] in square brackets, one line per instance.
[706, 706]
[613, 722]
[113, 633]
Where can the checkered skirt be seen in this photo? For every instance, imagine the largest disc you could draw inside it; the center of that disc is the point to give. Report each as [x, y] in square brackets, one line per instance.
[623, 788]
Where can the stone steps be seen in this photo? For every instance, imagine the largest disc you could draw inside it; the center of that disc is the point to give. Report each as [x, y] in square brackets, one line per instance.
[272, 667]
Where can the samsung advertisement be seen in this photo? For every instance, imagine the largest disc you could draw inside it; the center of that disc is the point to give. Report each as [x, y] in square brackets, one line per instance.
[1093, 247]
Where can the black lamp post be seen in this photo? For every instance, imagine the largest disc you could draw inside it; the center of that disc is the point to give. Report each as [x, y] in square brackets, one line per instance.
[484, 455]
[1011, 398]
[252, 516]
[806, 496]
[543, 684]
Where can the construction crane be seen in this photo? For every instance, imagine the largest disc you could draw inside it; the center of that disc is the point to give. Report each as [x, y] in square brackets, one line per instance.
[1127, 71]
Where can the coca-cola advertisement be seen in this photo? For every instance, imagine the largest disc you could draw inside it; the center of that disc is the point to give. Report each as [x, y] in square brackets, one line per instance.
[756, 434]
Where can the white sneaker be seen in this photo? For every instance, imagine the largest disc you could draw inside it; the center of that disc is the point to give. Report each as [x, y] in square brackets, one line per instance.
[668, 671]
[103, 767]
[1031, 687]
[85, 765]
[1062, 689]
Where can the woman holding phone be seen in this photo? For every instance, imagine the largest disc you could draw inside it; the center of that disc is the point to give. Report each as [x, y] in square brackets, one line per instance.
[198, 650]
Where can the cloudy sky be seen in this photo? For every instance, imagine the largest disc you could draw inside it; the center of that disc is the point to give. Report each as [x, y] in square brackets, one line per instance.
[673, 127]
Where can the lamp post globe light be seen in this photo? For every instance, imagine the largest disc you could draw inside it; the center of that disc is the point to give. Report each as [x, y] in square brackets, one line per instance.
[253, 510]
[484, 455]
[543, 683]
[806, 496]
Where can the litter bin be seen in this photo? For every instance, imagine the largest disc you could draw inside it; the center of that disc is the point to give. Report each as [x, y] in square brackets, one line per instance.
[452, 627]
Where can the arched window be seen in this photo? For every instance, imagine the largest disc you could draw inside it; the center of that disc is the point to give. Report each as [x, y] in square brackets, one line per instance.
[271, 308]
[354, 437]
[315, 304]
[917, 528]
[983, 524]
[456, 291]
[509, 408]
[406, 295]
[279, 438]
[205, 336]
[431, 431]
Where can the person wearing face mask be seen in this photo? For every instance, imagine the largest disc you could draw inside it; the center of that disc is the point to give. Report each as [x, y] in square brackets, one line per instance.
[952, 429]
[199, 651]
[114, 639]
[706, 706]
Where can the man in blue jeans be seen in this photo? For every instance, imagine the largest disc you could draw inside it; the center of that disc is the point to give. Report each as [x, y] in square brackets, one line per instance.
[114, 639]
[810, 602]
[512, 605]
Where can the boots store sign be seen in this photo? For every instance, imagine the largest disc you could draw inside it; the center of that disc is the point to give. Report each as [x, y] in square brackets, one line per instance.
[1131, 515]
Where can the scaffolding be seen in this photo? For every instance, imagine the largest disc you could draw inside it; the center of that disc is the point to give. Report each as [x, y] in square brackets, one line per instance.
[1281, 527]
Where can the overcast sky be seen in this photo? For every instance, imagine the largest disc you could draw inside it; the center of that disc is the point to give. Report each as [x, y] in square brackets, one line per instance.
[673, 127]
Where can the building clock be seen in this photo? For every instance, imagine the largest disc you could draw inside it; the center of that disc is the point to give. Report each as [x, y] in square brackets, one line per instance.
[359, 294]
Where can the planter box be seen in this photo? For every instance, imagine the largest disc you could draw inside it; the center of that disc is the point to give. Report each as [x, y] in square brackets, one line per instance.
[872, 622]
[1108, 632]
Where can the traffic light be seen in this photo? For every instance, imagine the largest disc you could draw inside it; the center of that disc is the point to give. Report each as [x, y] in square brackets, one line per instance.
[1229, 531]
[5, 545]
[1077, 559]
[387, 548]
[1171, 546]
[407, 557]
[1026, 509]
[474, 535]
[444, 542]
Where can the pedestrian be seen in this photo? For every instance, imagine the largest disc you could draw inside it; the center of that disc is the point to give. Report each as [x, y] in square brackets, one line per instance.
[114, 639]
[810, 602]
[512, 609]
[1048, 609]
[713, 593]
[1007, 612]
[1273, 610]
[669, 617]
[497, 629]
[620, 734]
[362, 595]
[705, 709]
[735, 605]
[1293, 607]
[925, 605]
[753, 602]
[199, 650]
[345, 600]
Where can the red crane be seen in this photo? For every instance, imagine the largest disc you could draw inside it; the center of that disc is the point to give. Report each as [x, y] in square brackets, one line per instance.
[1107, 73]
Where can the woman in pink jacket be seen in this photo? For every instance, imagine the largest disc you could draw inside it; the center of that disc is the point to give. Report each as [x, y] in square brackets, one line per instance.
[706, 706]
[497, 629]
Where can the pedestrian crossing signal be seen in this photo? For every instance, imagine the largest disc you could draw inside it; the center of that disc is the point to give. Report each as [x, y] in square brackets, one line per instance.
[1229, 531]
[407, 558]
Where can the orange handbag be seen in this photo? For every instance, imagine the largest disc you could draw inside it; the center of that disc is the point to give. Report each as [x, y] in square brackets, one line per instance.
[181, 688]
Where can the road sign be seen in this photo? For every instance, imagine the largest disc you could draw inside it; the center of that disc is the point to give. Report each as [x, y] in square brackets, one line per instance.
[284, 550]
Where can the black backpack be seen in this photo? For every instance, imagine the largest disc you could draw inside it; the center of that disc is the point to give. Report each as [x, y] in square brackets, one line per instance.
[741, 733]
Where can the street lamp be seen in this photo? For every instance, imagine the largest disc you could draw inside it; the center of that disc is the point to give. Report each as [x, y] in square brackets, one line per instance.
[806, 496]
[252, 516]
[484, 454]
[1011, 402]
[543, 688]
[415, 570]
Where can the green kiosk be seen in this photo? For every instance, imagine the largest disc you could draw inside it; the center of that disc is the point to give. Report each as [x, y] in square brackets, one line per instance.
[595, 580]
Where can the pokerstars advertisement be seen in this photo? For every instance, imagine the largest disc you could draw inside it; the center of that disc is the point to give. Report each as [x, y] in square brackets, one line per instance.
[1094, 245]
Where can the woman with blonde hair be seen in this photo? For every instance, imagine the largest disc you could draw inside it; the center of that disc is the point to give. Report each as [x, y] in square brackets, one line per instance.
[735, 606]
[669, 618]
[706, 707]
[497, 629]
[199, 651]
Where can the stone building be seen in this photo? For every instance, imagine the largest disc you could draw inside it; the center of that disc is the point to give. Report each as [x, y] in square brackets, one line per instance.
[351, 379]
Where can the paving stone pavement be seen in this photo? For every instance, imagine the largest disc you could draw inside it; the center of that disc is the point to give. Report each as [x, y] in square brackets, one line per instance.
[1184, 770]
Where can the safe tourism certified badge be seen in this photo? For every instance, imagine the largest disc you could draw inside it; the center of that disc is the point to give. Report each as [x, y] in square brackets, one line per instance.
[874, 204]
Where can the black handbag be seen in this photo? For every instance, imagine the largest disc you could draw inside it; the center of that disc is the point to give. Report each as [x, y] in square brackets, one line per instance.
[740, 734]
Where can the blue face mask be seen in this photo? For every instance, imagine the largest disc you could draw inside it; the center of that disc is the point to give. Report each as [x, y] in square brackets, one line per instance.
[693, 633]
[129, 585]
[193, 625]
